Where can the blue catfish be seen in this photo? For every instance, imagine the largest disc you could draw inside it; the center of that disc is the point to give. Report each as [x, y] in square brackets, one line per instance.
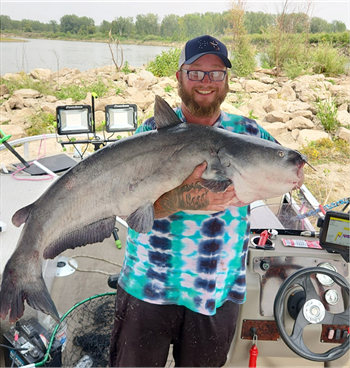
[125, 179]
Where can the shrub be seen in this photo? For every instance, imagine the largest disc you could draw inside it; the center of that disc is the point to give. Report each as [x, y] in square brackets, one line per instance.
[165, 64]
[326, 60]
[326, 112]
[41, 123]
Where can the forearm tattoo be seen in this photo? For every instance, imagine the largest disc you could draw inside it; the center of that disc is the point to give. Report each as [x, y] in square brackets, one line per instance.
[186, 197]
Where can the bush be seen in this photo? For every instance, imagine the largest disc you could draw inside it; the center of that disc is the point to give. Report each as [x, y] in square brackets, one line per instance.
[165, 64]
[326, 112]
[326, 60]
[41, 123]
[243, 59]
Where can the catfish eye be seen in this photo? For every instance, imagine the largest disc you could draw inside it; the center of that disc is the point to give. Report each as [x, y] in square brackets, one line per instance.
[281, 153]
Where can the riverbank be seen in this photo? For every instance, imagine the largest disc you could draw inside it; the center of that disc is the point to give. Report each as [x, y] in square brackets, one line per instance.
[11, 37]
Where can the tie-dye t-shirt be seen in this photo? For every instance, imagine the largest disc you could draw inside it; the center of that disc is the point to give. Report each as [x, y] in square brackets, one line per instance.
[194, 260]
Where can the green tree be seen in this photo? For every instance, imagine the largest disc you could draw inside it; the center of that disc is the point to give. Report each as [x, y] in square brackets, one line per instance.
[147, 24]
[243, 53]
[70, 23]
[105, 27]
[5, 22]
[53, 26]
[123, 27]
[170, 27]
[337, 26]
[255, 22]
[319, 25]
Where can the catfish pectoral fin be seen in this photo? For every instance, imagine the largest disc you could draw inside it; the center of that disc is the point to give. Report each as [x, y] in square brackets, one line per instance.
[13, 293]
[88, 234]
[142, 219]
[216, 186]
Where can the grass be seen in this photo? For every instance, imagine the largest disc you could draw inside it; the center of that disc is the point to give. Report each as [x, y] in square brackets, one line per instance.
[331, 159]
[326, 150]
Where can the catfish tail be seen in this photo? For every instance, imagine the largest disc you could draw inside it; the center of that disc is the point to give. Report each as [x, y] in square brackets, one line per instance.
[14, 290]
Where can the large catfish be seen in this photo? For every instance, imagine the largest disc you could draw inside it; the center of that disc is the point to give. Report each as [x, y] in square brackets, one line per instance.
[125, 179]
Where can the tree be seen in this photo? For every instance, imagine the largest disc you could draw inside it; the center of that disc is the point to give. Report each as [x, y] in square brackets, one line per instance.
[255, 22]
[285, 44]
[338, 26]
[70, 23]
[243, 53]
[5, 22]
[319, 25]
[53, 26]
[170, 27]
[147, 24]
[123, 27]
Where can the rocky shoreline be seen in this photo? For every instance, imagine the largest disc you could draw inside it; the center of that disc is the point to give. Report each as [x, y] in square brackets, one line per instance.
[286, 108]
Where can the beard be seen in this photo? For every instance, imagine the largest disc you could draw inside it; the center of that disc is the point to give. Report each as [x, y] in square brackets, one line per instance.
[195, 108]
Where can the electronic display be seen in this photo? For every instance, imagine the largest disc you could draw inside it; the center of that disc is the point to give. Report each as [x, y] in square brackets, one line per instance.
[335, 233]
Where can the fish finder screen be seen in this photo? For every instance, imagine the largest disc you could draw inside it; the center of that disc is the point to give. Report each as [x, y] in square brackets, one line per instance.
[335, 233]
[338, 231]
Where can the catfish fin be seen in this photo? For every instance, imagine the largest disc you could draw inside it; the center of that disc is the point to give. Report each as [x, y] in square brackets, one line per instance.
[88, 234]
[13, 293]
[20, 217]
[216, 185]
[164, 115]
[142, 219]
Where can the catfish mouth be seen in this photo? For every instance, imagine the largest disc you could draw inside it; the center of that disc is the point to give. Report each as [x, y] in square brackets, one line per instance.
[299, 171]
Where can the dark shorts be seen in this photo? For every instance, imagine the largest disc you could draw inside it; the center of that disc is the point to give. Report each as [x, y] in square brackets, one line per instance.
[142, 334]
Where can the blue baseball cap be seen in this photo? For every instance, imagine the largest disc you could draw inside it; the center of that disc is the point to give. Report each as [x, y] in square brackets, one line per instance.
[203, 45]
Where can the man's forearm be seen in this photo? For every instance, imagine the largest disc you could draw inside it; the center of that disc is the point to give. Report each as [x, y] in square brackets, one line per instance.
[185, 197]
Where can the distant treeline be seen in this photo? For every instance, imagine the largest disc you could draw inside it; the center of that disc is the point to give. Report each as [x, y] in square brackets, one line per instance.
[171, 27]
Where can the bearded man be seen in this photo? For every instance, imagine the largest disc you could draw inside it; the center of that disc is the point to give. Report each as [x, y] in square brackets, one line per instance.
[182, 283]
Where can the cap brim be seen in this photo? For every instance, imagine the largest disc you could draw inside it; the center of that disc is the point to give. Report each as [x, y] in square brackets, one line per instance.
[226, 61]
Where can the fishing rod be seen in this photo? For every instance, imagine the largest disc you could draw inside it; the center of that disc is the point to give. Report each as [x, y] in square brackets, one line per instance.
[329, 206]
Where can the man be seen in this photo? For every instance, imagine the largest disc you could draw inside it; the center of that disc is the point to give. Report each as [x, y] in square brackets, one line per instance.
[182, 283]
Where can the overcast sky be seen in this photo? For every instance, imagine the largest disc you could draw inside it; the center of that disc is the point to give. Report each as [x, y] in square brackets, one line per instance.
[44, 11]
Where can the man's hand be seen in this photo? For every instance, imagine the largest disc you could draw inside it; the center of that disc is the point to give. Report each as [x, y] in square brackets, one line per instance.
[191, 196]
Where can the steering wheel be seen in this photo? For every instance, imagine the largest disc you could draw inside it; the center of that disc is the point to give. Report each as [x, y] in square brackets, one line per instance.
[313, 311]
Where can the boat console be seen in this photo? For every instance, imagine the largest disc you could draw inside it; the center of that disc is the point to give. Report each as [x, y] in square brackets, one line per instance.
[297, 309]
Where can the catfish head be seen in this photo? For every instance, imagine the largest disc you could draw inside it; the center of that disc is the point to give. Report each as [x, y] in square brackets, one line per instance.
[261, 169]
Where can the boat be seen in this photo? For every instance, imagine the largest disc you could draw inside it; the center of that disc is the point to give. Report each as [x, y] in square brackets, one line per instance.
[297, 308]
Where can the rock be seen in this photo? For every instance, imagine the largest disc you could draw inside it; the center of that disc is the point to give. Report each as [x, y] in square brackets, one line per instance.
[267, 80]
[4, 90]
[274, 105]
[276, 129]
[344, 134]
[230, 109]
[306, 136]
[298, 105]
[299, 123]
[15, 102]
[255, 86]
[142, 81]
[277, 116]
[343, 117]
[41, 74]
[287, 93]
[27, 93]
[12, 77]
[16, 131]
[304, 113]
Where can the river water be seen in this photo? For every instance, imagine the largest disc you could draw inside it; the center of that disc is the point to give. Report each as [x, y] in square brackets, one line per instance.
[57, 54]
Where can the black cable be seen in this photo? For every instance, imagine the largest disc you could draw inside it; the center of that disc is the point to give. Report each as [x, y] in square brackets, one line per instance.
[12, 348]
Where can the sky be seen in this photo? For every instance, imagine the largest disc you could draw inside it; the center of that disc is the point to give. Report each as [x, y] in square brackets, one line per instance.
[44, 11]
